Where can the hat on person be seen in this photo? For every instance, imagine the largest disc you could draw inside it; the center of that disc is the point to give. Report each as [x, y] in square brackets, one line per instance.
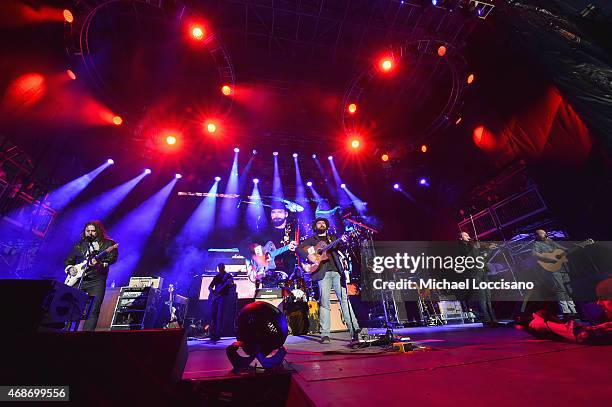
[319, 219]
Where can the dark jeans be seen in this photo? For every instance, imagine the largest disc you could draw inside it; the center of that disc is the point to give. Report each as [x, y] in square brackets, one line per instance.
[216, 316]
[484, 298]
[94, 288]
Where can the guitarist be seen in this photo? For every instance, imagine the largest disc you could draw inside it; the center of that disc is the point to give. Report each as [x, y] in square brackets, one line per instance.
[329, 275]
[93, 241]
[559, 281]
[219, 291]
[282, 233]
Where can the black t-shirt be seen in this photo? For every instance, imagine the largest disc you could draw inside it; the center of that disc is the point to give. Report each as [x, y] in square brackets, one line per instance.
[218, 280]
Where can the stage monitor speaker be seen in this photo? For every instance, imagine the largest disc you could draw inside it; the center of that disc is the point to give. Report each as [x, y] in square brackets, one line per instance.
[101, 368]
[40, 305]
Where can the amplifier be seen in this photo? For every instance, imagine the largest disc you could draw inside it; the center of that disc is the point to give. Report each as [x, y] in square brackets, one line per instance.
[451, 310]
[136, 308]
[155, 282]
[233, 260]
[245, 288]
[269, 293]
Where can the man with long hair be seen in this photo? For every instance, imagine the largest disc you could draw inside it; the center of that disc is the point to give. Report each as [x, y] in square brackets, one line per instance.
[93, 241]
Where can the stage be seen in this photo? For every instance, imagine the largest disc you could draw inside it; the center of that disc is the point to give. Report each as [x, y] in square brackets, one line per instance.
[464, 364]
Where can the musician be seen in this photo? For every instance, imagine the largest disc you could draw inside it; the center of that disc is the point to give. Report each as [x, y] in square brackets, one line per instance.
[281, 233]
[559, 281]
[468, 248]
[219, 291]
[93, 241]
[330, 275]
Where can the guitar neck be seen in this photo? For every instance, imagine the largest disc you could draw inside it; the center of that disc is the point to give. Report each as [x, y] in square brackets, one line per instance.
[332, 245]
[279, 251]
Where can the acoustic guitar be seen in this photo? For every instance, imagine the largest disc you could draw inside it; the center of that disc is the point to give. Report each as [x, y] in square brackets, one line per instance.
[558, 257]
[317, 255]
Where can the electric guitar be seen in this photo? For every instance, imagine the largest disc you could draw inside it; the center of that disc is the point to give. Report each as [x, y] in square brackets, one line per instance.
[559, 256]
[263, 259]
[216, 292]
[83, 267]
[317, 255]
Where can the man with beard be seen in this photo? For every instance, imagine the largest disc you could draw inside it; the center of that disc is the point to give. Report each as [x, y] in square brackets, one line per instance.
[93, 241]
[558, 282]
[281, 234]
[329, 275]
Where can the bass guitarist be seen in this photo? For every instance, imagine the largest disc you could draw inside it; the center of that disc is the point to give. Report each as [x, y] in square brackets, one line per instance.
[328, 275]
[219, 291]
[93, 241]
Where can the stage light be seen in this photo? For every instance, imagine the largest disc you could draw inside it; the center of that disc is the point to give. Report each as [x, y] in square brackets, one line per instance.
[424, 182]
[330, 158]
[171, 140]
[355, 143]
[255, 181]
[477, 135]
[352, 108]
[117, 120]
[236, 150]
[211, 127]
[396, 186]
[295, 155]
[309, 184]
[226, 90]
[254, 151]
[470, 78]
[110, 161]
[314, 156]
[434, 2]
[147, 171]
[424, 148]
[197, 33]
[275, 153]
[386, 64]
[343, 186]
[178, 176]
[384, 157]
[441, 50]
[68, 17]
[71, 74]
[217, 179]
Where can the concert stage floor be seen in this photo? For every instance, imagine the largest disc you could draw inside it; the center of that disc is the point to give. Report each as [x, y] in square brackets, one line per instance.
[461, 364]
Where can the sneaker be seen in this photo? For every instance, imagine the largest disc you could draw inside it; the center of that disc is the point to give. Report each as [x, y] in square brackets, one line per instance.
[325, 339]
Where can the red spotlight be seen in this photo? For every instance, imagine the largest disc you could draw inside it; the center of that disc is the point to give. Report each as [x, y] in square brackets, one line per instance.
[424, 148]
[197, 32]
[211, 127]
[68, 17]
[477, 135]
[71, 74]
[355, 144]
[384, 157]
[385, 64]
[470, 78]
[170, 140]
[441, 50]
[226, 90]
[117, 120]
[352, 108]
